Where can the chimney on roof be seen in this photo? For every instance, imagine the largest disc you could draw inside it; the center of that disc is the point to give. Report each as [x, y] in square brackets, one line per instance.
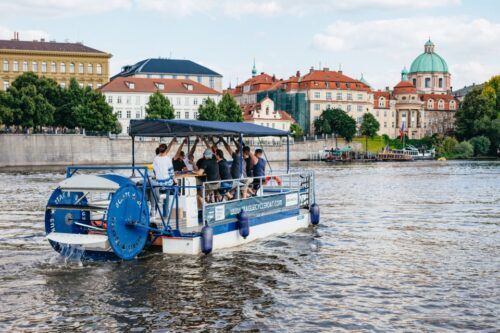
[387, 88]
[326, 69]
[311, 69]
[16, 35]
[297, 74]
[42, 40]
[274, 78]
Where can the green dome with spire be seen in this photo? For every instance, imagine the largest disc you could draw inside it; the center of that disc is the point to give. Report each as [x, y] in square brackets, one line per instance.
[362, 79]
[429, 61]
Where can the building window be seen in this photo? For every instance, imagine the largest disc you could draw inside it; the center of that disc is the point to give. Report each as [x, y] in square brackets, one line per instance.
[25, 66]
[89, 68]
[199, 79]
[174, 77]
[317, 95]
[414, 82]
[5, 65]
[63, 67]
[98, 69]
[63, 84]
[118, 100]
[138, 114]
[359, 108]
[72, 67]
[329, 95]
[427, 82]
[129, 100]
[348, 107]
[349, 96]
[44, 67]
[195, 115]
[195, 101]
[178, 115]
[5, 85]
[34, 66]
[80, 85]
[80, 68]
[360, 97]
[440, 82]
[211, 82]
[441, 104]
[15, 66]
[98, 85]
[339, 96]
[385, 124]
[110, 99]
[452, 105]
[430, 104]
[316, 107]
[392, 124]
[89, 85]
[381, 102]
[129, 114]
[186, 115]
[385, 113]
[119, 114]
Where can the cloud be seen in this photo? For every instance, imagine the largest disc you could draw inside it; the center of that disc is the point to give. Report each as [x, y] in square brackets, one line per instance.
[59, 8]
[398, 34]
[470, 46]
[6, 33]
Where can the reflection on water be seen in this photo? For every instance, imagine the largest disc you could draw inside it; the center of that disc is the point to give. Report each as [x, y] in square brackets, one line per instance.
[410, 246]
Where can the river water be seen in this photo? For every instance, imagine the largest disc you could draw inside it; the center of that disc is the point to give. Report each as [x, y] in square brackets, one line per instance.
[401, 247]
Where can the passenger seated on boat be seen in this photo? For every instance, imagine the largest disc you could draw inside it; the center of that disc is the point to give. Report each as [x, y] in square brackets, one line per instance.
[259, 168]
[164, 172]
[208, 167]
[225, 174]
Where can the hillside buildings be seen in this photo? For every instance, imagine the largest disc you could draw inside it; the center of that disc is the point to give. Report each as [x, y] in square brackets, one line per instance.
[420, 104]
[129, 95]
[161, 68]
[55, 60]
[264, 114]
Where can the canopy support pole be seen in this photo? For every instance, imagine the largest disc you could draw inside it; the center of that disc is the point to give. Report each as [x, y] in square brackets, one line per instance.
[133, 156]
[287, 154]
[240, 153]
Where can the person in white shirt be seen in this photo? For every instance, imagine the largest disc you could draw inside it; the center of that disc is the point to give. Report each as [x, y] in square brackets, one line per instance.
[163, 170]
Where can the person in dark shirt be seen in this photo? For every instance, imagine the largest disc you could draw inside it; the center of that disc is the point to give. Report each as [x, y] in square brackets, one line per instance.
[259, 168]
[208, 166]
[225, 174]
[178, 160]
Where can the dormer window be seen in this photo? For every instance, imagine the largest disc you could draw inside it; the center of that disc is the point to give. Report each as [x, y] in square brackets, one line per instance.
[188, 86]
[430, 104]
[131, 85]
[160, 86]
[267, 110]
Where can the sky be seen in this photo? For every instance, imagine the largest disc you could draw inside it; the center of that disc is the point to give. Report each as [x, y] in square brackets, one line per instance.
[374, 37]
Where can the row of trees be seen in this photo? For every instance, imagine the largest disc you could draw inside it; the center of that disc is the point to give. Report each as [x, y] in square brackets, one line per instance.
[339, 123]
[33, 102]
[478, 117]
[159, 107]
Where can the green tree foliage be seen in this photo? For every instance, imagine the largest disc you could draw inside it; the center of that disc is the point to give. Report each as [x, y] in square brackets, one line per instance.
[369, 127]
[446, 147]
[296, 130]
[336, 121]
[159, 107]
[229, 109]
[226, 110]
[463, 150]
[481, 145]
[208, 110]
[33, 102]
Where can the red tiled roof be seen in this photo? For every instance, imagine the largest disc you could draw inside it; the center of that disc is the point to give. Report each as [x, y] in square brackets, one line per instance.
[326, 79]
[258, 83]
[249, 111]
[405, 87]
[46, 46]
[436, 97]
[177, 86]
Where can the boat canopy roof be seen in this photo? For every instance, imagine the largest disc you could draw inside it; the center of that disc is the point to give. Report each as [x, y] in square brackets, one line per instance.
[180, 128]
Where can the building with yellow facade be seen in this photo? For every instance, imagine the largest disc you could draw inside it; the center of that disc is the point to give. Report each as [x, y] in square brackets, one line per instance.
[58, 61]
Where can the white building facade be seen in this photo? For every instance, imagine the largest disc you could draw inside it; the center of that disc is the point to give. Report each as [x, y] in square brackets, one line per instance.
[129, 96]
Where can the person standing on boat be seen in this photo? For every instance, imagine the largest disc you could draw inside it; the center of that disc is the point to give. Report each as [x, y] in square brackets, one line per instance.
[239, 171]
[178, 160]
[208, 167]
[189, 160]
[163, 170]
[259, 168]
